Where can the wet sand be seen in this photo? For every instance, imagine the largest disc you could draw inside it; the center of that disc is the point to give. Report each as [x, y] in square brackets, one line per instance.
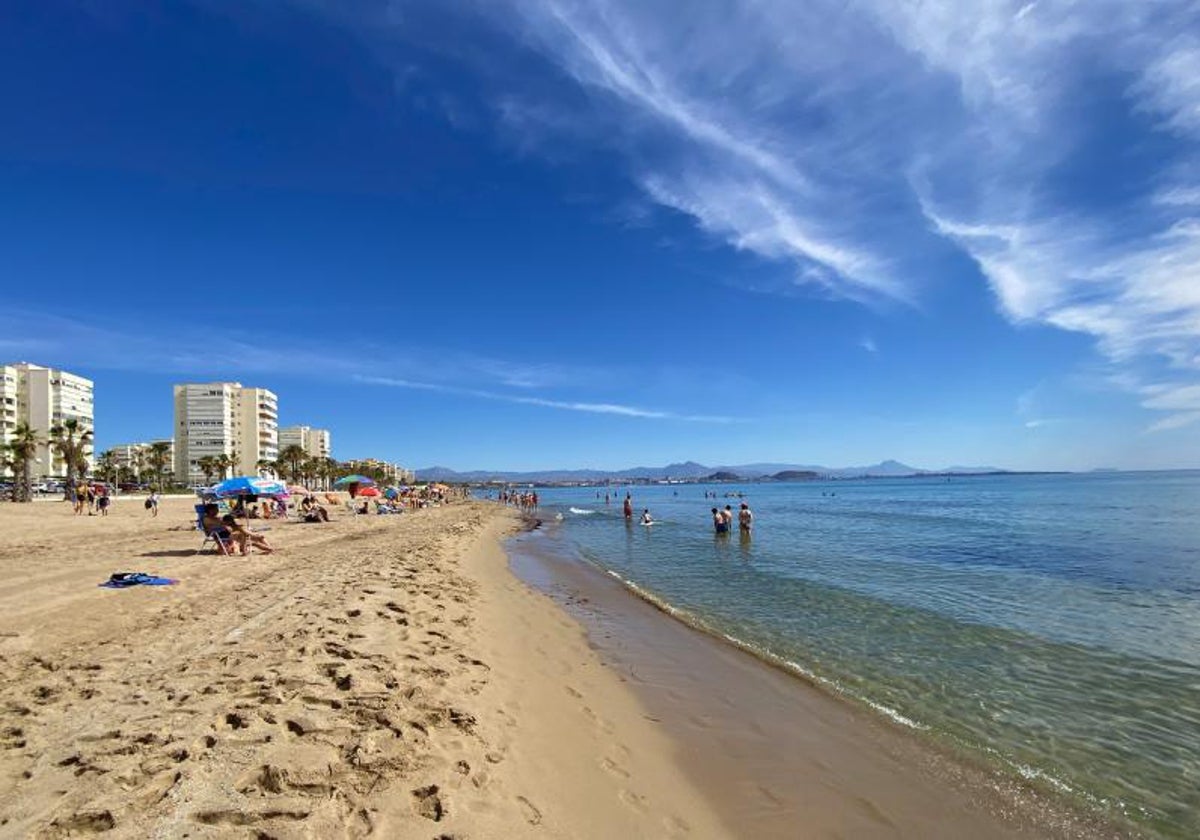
[775, 755]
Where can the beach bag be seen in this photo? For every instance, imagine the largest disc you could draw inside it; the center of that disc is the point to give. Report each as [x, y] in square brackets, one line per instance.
[149, 504]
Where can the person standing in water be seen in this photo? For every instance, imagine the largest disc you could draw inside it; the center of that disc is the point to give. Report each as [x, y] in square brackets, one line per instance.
[745, 518]
[719, 523]
[628, 507]
[646, 518]
[728, 515]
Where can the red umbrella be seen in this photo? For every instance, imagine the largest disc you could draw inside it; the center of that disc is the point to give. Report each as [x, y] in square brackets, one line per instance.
[369, 491]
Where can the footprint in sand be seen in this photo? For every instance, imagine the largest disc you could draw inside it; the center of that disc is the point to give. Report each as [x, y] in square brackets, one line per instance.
[634, 800]
[532, 815]
[85, 822]
[614, 768]
[428, 803]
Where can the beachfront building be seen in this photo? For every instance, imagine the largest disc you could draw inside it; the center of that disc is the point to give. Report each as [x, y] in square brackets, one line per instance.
[393, 473]
[315, 442]
[44, 398]
[134, 458]
[224, 419]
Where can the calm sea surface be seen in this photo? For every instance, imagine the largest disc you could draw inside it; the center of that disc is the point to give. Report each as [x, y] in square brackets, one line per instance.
[1050, 624]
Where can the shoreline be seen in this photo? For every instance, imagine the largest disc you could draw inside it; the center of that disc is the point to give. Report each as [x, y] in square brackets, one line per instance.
[375, 677]
[677, 677]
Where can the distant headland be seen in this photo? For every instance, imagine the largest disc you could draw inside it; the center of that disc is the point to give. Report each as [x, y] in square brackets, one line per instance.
[691, 472]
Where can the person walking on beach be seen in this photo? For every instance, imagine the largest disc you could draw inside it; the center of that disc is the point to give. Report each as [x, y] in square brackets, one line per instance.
[152, 503]
[102, 504]
[628, 506]
[719, 523]
[745, 518]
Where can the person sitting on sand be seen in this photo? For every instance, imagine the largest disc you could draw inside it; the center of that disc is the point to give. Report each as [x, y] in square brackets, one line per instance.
[245, 538]
[313, 511]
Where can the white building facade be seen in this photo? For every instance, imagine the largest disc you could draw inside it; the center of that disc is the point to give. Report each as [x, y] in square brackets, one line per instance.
[45, 398]
[135, 457]
[316, 442]
[224, 418]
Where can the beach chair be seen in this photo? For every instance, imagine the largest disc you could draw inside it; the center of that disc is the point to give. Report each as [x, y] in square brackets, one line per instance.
[221, 544]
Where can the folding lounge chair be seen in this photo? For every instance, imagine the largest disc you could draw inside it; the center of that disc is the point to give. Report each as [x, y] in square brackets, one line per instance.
[222, 544]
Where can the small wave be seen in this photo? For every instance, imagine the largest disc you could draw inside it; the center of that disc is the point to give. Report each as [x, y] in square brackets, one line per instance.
[580, 511]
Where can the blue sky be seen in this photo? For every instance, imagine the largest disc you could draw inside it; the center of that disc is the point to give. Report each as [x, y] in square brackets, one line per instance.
[546, 234]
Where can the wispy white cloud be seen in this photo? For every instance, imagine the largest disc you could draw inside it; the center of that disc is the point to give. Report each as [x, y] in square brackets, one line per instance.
[211, 354]
[867, 343]
[847, 141]
[1170, 84]
[542, 402]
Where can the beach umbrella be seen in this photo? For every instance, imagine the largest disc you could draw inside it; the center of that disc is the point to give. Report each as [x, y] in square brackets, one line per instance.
[369, 491]
[391, 493]
[360, 480]
[244, 485]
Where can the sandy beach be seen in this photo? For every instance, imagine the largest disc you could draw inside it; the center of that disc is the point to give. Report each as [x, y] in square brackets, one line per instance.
[390, 676]
[380, 676]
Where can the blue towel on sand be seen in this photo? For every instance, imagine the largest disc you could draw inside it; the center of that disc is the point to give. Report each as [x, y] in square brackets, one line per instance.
[123, 580]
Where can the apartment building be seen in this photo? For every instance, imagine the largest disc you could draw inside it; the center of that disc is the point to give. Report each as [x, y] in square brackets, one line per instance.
[135, 457]
[316, 442]
[44, 398]
[224, 418]
[391, 472]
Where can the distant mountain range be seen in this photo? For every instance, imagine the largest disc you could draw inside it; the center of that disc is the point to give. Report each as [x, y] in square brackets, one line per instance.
[691, 471]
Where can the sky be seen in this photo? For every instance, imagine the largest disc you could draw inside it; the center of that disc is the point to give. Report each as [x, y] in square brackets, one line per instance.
[533, 234]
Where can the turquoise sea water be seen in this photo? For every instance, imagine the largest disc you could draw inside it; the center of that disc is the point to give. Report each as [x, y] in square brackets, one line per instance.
[1050, 624]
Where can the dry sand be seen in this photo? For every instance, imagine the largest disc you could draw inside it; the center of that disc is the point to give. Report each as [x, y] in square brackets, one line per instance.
[378, 676]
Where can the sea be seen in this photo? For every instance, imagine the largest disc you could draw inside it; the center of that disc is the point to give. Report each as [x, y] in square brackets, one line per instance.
[1046, 625]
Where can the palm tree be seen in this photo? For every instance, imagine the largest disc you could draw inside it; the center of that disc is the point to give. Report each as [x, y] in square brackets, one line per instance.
[208, 465]
[70, 439]
[266, 465]
[21, 451]
[157, 456]
[292, 457]
[106, 466]
[140, 463]
[226, 462]
[310, 468]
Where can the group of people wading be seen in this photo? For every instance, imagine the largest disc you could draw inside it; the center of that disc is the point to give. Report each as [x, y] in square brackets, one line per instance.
[722, 519]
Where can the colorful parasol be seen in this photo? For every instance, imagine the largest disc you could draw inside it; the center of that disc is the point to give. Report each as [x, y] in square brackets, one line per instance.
[361, 480]
[244, 485]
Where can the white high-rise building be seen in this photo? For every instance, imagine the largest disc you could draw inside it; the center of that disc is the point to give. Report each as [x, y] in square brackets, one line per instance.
[135, 457]
[224, 418]
[316, 442]
[45, 398]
